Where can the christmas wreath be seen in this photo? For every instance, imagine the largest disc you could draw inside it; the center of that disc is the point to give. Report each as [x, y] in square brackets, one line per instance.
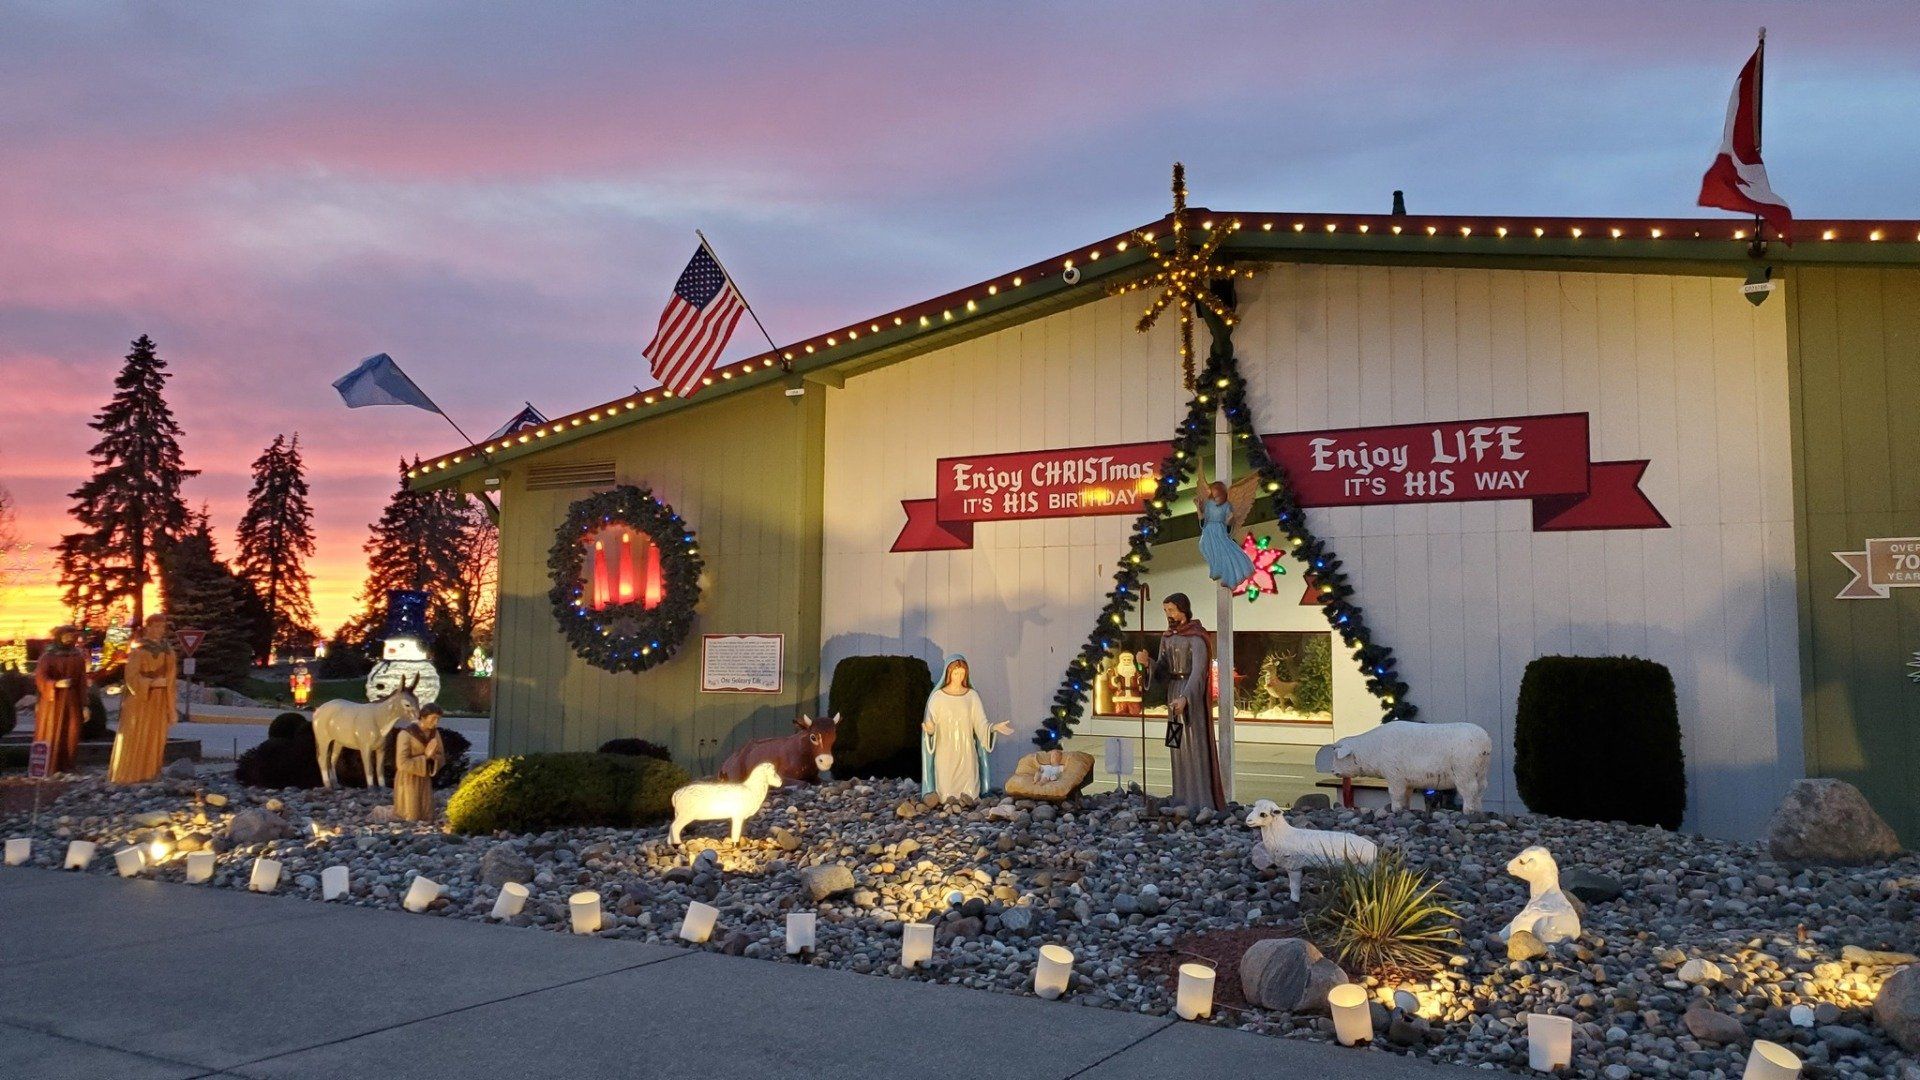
[625, 634]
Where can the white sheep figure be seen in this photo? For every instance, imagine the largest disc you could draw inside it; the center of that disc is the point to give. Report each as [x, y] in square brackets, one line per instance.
[716, 800]
[1549, 915]
[1415, 757]
[1297, 849]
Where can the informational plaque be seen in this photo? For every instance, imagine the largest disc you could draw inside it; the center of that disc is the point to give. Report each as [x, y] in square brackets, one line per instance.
[742, 663]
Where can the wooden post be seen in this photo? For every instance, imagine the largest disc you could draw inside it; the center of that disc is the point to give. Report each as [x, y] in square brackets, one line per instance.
[1223, 612]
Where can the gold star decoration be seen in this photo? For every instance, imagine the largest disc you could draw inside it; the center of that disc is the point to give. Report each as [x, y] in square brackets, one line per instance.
[1186, 273]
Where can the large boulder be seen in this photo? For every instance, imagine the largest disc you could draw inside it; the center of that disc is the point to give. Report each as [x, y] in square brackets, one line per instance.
[257, 827]
[1897, 1009]
[1276, 973]
[1828, 821]
[502, 863]
[822, 882]
[1710, 1025]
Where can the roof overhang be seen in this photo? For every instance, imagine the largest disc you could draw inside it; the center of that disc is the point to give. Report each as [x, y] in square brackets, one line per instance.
[1709, 246]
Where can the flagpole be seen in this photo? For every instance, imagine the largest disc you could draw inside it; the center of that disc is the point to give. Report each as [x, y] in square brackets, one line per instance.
[484, 497]
[785, 364]
[1759, 96]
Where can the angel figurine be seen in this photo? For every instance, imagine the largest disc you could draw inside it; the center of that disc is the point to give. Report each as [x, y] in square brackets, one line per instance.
[1222, 510]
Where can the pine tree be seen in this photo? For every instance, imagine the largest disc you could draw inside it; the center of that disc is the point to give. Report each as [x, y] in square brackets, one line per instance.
[200, 591]
[275, 538]
[416, 544]
[130, 511]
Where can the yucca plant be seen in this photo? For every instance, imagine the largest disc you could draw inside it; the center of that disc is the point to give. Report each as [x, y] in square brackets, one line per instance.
[1384, 918]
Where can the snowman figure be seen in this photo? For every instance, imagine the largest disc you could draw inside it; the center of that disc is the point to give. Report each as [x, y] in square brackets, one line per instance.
[404, 653]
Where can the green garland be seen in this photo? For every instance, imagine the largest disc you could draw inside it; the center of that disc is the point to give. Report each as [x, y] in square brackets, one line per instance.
[1222, 377]
[625, 637]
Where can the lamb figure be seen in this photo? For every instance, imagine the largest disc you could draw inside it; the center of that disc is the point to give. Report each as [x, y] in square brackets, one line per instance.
[1413, 757]
[1549, 915]
[715, 800]
[1298, 849]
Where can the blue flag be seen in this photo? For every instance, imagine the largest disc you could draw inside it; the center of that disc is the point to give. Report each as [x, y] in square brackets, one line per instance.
[379, 381]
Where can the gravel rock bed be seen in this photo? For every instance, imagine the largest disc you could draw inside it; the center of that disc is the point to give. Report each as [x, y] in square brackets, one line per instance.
[1119, 880]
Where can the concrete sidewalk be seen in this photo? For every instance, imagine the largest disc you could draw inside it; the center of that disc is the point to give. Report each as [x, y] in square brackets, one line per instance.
[102, 977]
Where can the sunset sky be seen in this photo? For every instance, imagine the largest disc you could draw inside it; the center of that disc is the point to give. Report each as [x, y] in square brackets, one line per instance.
[500, 195]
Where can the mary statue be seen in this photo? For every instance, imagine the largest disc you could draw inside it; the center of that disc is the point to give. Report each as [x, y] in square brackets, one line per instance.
[955, 737]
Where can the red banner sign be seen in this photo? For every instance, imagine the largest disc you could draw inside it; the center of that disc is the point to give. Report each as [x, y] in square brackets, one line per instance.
[1077, 482]
[1540, 458]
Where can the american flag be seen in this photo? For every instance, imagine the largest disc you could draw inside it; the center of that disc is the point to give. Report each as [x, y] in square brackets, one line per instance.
[698, 320]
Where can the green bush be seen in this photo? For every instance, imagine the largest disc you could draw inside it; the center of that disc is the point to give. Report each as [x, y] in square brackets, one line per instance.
[286, 758]
[880, 701]
[1598, 738]
[289, 725]
[636, 748]
[95, 728]
[537, 792]
[14, 685]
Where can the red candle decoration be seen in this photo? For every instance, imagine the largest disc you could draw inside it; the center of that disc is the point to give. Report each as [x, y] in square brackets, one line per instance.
[655, 584]
[627, 590]
[600, 592]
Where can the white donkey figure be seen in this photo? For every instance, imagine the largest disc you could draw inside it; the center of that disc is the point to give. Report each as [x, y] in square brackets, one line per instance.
[347, 725]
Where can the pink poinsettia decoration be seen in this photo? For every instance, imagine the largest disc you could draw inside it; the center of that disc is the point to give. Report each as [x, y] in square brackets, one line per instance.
[1266, 566]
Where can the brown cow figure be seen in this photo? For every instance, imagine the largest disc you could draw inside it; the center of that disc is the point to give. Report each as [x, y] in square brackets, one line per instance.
[799, 758]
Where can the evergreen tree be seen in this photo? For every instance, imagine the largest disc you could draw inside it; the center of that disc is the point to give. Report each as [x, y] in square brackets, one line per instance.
[275, 538]
[417, 544]
[130, 511]
[200, 591]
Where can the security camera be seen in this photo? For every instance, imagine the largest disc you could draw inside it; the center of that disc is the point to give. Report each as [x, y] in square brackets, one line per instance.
[1071, 275]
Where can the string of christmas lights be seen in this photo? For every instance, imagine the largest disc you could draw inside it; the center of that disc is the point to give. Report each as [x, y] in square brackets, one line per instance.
[1222, 387]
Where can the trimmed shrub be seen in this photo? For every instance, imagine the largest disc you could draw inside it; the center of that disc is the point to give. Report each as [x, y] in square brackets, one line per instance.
[880, 701]
[289, 725]
[537, 792]
[1598, 738]
[95, 728]
[636, 748]
[286, 758]
[14, 685]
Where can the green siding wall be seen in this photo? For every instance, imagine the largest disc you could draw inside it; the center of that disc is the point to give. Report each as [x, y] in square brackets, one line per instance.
[1854, 337]
[760, 540]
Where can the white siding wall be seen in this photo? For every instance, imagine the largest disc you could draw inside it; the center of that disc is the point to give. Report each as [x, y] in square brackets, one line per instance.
[1678, 370]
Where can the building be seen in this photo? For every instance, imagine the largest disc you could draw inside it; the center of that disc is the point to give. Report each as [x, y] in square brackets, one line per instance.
[1728, 453]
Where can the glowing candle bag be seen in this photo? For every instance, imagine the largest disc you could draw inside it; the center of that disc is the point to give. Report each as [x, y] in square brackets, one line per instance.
[199, 867]
[584, 908]
[420, 893]
[1195, 997]
[1352, 1020]
[1053, 972]
[266, 875]
[79, 855]
[130, 861]
[698, 925]
[333, 883]
[513, 896]
[19, 850]
[1549, 1041]
[800, 930]
[1771, 1061]
[916, 944]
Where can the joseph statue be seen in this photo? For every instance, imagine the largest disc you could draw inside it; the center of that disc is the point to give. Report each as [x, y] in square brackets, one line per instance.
[60, 679]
